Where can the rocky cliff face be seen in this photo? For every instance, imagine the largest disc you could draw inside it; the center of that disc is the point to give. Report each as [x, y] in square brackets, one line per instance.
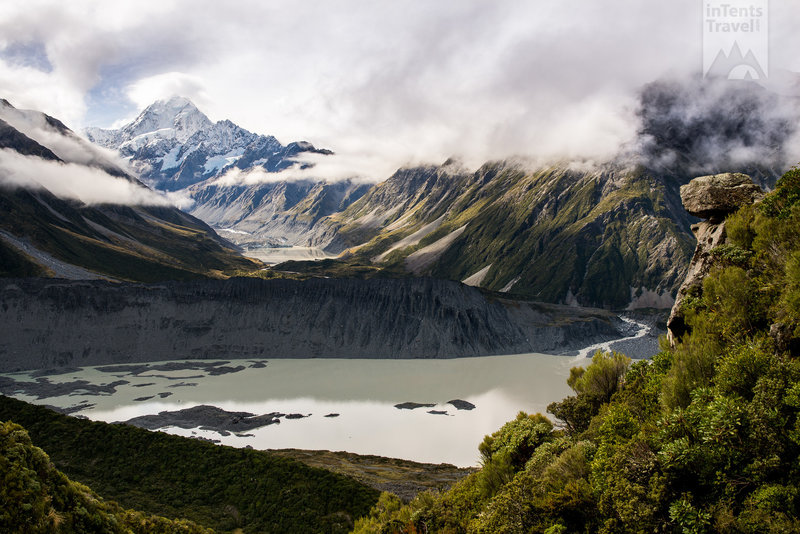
[713, 198]
[46, 323]
[274, 213]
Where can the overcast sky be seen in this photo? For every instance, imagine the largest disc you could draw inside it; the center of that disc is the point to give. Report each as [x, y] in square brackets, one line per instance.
[388, 83]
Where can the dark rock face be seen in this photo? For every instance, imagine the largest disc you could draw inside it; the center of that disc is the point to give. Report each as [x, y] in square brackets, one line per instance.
[712, 197]
[413, 405]
[461, 404]
[208, 418]
[46, 323]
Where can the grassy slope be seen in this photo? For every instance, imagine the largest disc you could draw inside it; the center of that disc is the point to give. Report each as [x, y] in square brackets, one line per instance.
[15, 264]
[401, 477]
[139, 244]
[219, 487]
[595, 234]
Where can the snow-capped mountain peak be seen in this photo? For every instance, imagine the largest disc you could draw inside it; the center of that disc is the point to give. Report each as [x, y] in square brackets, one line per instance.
[177, 117]
[173, 145]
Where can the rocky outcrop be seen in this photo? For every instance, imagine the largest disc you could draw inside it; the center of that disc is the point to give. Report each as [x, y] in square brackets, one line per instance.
[46, 323]
[713, 198]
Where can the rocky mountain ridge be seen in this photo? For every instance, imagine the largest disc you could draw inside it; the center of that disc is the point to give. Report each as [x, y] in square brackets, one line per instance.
[606, 237]
[172, 145]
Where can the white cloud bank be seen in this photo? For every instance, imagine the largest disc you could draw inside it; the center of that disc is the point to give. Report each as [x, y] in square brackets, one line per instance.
[382, 84]
[79, 176]
[73, 181]
[66, 145]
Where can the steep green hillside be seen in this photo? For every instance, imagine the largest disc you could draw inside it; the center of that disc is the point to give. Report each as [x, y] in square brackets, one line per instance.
[598, 237]
[704, 438]
[215, 486]
[145, 244]
[39, 232]
[36, 497]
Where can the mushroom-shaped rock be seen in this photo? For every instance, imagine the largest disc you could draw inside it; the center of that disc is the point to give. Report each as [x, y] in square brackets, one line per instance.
[714, 196]
[710, 197]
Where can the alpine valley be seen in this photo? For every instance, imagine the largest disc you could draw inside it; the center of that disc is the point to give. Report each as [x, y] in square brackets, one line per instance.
[518, 265]
[610, 235]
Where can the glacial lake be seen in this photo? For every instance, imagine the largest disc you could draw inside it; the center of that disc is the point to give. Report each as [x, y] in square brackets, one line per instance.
[306, 393]
[273, 255]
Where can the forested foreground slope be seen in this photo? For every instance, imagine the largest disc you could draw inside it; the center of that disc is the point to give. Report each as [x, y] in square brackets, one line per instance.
[36, 497]
[214, 486]
[703, 438]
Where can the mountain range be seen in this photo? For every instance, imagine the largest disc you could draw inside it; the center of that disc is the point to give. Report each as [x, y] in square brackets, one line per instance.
[173, 146]
[608, 235]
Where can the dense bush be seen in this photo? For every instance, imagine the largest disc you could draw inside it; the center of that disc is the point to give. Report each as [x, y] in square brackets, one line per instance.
[218, 487]
[35, 497]
[705, 437]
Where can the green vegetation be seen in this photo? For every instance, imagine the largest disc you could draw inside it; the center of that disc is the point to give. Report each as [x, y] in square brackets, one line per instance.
[37, 498]
[401, 477]
[704, 438]
[218, 487]
[327, 268]
[339, 269]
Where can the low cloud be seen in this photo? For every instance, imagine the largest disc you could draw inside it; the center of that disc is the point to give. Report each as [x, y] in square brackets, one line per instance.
[64, 144]
[180, 199]
[315, 167]
[72, 181]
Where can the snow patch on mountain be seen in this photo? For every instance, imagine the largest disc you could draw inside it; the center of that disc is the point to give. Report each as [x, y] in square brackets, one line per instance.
[170, 160]
[217, 163]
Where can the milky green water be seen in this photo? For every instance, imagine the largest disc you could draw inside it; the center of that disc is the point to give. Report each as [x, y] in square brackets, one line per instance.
[281, 254]
[362, 392]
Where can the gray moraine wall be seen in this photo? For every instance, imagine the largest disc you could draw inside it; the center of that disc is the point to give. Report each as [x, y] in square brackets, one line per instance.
[57, 323]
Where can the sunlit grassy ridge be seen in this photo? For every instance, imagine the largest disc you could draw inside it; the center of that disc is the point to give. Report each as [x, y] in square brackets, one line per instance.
[144, 244]
[544, 233]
